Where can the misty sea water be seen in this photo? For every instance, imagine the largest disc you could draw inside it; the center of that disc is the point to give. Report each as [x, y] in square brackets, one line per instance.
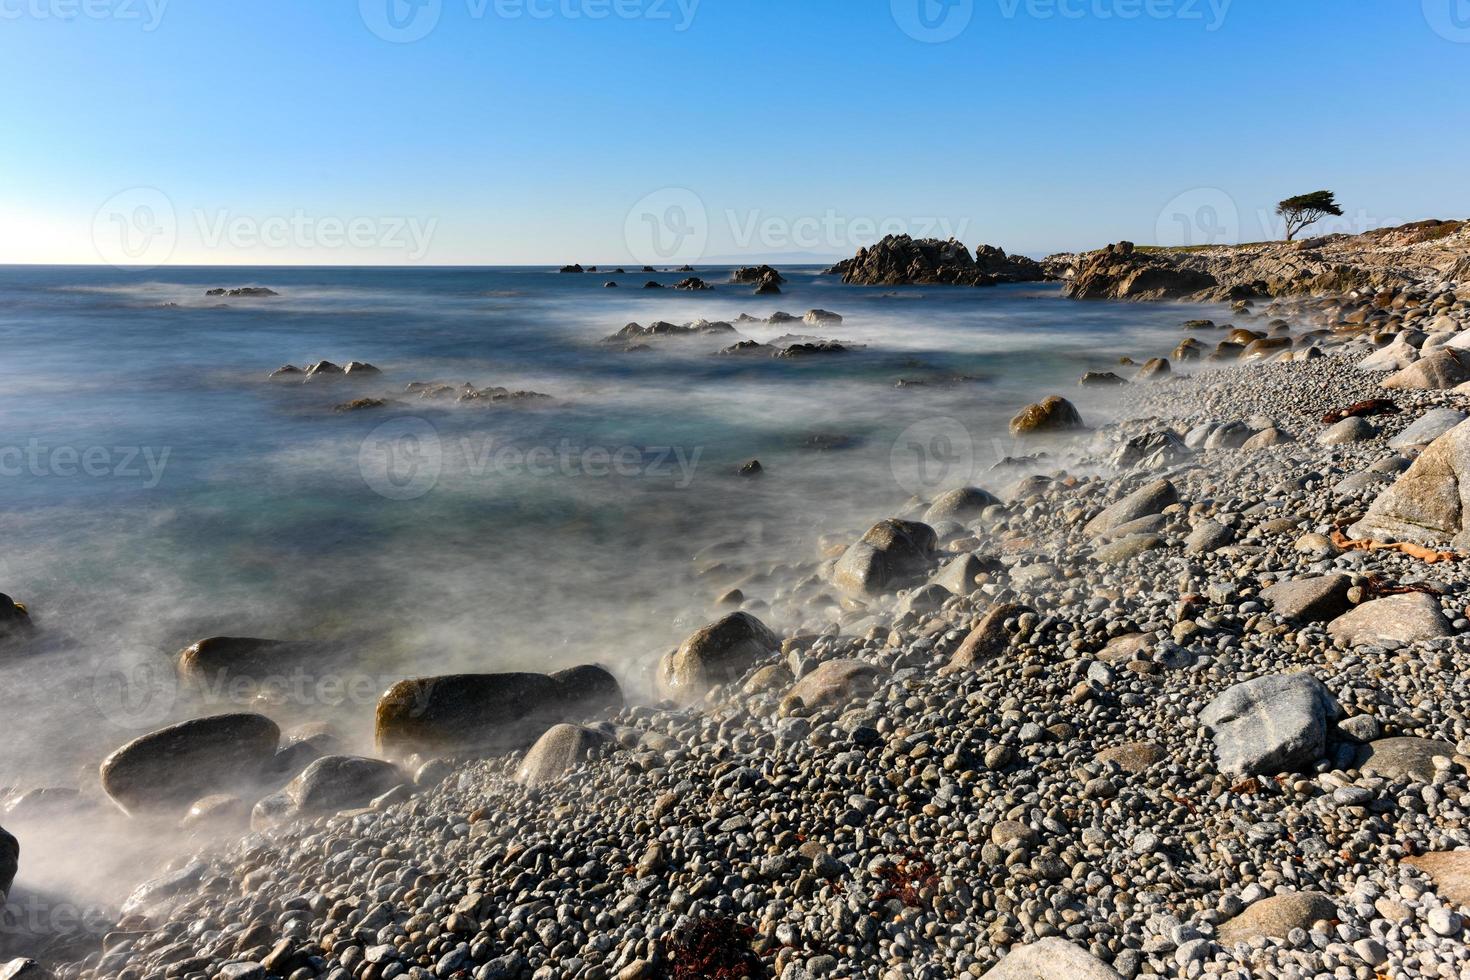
[159, 488]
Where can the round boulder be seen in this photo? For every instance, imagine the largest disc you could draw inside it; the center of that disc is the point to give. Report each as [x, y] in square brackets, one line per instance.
[717, 654]
[467, 714]
[561, 749]
[170, 768]
[1052, 414]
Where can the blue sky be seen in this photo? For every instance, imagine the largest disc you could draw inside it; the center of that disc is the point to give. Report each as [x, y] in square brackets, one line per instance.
[548, 131]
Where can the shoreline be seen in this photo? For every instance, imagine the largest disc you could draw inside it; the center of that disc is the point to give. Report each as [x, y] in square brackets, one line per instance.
[906, 819]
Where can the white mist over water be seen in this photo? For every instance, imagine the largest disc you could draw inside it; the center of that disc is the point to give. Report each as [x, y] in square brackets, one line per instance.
[266, 520]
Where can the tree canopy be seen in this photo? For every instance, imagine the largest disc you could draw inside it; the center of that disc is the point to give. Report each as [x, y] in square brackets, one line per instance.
[1304, 209]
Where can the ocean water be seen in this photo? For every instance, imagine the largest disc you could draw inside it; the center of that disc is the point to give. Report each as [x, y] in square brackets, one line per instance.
[158, 488]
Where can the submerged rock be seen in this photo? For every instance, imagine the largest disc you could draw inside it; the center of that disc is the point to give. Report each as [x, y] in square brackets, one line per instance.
[168, 769]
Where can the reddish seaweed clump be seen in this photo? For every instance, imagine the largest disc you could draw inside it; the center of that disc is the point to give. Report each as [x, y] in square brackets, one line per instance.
[715, 947]
[907, 879]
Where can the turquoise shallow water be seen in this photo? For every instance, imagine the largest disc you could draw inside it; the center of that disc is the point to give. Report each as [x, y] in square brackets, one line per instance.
[158, 488]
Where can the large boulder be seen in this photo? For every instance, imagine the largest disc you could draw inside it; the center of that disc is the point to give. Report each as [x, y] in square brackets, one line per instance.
[485, 714]
[1151, 498]
[891, 554]
[1271, 725]
[1428, 504]
[1277, 916]
[1052, 414]
[168, 769]
[1427, 428]
[836, 682]
[900, 260]
[1051, 958]
[561, 749]
[1442, 369]
[9, 862]
[1121, 272]
[1407, 618]
[1310, 600]
[717, 654]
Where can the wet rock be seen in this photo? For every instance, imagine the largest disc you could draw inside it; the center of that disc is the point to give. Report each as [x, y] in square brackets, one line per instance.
[168, 769]
[1150, 451]
[836, 682]
[1270, 725]
[717, 654]
[819, 318]
[329, 785]
[891, 554]
[963, 504]
[1406, 618]
[220, 659]
[1277, 916]
[1050, 959]
[9, 862]
[588, 690]
[1051, 414]
[751, 275]
[1310, 600]
[467, 714]
[1101, 379]
[242, 292]
[1154, 369]
[561, 749]
[1148, 499]
[217, 813]
[15, 619]
[1403, 759]
[958, 576]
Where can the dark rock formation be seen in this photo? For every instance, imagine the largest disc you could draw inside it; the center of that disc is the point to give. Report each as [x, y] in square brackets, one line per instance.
[901, 260]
